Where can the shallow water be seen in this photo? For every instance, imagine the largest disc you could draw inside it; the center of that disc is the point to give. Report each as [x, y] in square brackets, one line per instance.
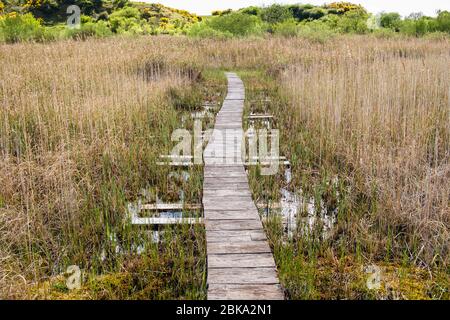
[301, 214]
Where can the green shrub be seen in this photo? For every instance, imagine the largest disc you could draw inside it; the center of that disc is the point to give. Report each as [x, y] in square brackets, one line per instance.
[391, 20]
[202, 30]
[443, 22]
[124, 20]
[300, 12]
[288, 28]
[275, 14]
[90, 29]
[316, 31]
[16, 27]
[253, 11]
[353, 22]
[384, 33]
[415, 27]
[237, 24]
[315, 13]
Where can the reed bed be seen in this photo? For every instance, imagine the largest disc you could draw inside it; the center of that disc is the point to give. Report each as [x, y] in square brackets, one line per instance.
[82, 124]
[377, 114]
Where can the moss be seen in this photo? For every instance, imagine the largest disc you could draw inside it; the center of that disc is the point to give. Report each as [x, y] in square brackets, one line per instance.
[327, 279]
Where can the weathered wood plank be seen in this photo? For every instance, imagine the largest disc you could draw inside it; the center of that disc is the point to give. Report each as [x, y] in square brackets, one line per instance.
[242, 276]
[260, 260]
[225, 180]
[238, 247]
[226, 204]
[251, 233]
[164, 221]
[217, 225]
[230, 215]
[240, 261]
[226, 193]
[245, 292]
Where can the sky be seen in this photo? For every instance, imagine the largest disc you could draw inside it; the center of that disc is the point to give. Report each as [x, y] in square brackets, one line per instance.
[404, 7]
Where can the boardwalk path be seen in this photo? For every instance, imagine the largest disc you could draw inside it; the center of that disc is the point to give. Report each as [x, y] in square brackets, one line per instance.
[240, 262]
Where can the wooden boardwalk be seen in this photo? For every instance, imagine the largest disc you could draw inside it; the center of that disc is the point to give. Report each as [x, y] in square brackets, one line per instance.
[240, 262]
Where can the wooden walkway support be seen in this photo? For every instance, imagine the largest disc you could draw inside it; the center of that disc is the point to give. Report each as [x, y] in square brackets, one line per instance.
[240, 261]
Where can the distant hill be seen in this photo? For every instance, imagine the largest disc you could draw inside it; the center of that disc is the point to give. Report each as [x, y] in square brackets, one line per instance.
[54, 11]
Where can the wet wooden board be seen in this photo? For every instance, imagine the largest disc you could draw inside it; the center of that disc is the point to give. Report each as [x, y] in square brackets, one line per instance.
[240, 261]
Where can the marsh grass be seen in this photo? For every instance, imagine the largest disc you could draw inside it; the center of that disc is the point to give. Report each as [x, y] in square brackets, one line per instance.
[374, 117]
[83, 125]
[80, 138]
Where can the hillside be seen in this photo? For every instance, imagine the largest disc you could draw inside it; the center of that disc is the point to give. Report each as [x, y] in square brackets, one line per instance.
[134, 17]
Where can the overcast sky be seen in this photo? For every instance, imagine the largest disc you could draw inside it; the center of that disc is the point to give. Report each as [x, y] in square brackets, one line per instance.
[404, 7]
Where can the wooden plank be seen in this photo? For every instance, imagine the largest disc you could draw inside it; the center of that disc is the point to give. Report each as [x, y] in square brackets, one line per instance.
[217, 225]
[240, 261]
[242, 276]
[245, 292]
[165, 221]
[230, 215]
[241, 247]
[226, 204]
[226, 180]
[228, 186]
[170, 206]
[260, 260]
[226, 193]
[251, 233]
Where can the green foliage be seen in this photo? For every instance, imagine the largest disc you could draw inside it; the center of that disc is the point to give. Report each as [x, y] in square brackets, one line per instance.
[391, 20]
[384, 33]
[253, 11]
[415, 27]
[89, 29]
[288, 28]
[315, 13]
[202, 30]
[237, 24]
[300, 12]
[344, 7]
[101, 18]
[275, 14]
[17, 27]
[54, 11]
[442, 23]
[353, 22]
[316, 31]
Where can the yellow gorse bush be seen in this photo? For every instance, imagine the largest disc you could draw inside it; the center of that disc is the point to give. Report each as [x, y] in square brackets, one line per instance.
[344, 6]
[33, 4]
